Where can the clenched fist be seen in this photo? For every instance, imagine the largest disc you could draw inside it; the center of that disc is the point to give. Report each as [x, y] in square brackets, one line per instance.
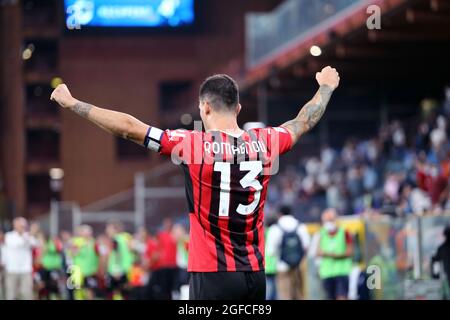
[62, 95]
[328, 76]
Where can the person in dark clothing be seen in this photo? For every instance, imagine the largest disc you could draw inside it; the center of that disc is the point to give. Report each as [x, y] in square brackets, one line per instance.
[443, 254]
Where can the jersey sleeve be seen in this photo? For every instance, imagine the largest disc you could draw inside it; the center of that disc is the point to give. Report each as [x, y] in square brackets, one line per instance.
[284, 138]
[279, 140]
[163, 142]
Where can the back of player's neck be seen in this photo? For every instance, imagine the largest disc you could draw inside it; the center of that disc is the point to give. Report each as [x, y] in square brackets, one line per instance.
[231, 130]
[225, 125]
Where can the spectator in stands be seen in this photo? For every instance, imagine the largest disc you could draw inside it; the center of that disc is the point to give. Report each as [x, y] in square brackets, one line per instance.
[327, 157]
[413, 200]
[348, 154]
[422, 140]
[18, 260]
[438, 139]
[288, 241]
[355, 184]
[288, 193]
[378, 173]
[336, 251]
[398, 141]
[447, 102]
[431, 179]
[370, 178]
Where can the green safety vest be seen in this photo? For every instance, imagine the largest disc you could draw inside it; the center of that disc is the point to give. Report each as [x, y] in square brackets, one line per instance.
[271, 260]
[51, 258]
[182, 252]
[121, 260]
[330, 267]
[86, 258]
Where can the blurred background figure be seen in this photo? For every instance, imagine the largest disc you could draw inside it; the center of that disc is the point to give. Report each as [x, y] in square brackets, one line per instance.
[66, 257]
[442, 257]
[120, 260]
[51, 271]
[336, 251]
[139, 241]
[152, 255]
[271, 260]
[2, 266]
[85, 263]
[18, 260]
[137, 280]
[138, 274]
[165, 275]
[181, 237]
[288, 241]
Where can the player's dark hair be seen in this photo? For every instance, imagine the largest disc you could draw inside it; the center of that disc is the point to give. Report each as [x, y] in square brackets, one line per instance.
[221, 91]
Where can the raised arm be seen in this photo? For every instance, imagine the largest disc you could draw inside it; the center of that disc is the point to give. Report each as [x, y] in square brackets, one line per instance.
[117, 123]
[314, 109]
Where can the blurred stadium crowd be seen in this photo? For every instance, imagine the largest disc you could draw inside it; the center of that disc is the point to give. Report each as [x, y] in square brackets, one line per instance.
[403, 170]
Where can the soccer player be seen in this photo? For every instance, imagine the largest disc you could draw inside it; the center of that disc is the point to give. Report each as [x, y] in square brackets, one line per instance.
[227, 171]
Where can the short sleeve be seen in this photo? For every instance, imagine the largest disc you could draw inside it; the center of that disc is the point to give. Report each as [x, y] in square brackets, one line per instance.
[284, 138]
[278, 140]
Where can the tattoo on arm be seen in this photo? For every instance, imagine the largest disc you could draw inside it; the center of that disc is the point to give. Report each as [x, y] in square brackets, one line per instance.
[82, 109]
[117, 123]
[310, 114]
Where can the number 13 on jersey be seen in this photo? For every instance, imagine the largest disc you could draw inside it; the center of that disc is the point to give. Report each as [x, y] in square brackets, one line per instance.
[254, 168]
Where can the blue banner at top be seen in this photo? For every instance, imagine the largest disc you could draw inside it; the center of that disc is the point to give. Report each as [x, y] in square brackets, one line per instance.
[129, 13]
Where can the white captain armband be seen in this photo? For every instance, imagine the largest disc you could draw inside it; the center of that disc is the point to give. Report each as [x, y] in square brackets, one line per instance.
[153, 139]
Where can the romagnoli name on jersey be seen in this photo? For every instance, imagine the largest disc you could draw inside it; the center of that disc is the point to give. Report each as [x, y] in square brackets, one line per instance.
[227, 148]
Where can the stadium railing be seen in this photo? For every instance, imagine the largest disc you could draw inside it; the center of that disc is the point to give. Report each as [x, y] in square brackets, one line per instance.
[155, 195]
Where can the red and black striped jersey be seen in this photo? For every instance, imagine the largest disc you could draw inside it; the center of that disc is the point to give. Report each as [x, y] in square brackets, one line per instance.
[226, 179]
